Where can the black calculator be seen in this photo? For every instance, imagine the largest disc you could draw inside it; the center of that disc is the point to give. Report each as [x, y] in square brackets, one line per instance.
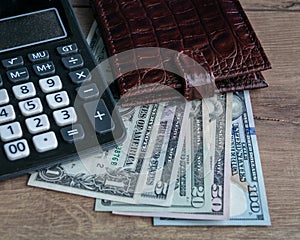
[53, 102]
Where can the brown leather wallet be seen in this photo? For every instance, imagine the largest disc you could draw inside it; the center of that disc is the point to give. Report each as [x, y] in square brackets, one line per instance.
[215, 33]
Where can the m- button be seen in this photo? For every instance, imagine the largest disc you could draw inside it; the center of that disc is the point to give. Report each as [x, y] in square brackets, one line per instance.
[18, 75]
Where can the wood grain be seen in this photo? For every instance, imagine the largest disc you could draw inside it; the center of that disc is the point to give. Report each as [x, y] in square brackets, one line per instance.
[281, 5]
[32, 213]
[279, 33]
[271, 5]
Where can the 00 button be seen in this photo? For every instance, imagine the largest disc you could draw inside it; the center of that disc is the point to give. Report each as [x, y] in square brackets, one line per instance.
[17, 150]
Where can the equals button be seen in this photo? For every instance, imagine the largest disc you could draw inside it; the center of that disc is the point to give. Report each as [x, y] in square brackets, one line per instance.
[72, 133]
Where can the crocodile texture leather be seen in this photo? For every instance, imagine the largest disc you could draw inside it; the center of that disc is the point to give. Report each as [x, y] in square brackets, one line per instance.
[215, 33]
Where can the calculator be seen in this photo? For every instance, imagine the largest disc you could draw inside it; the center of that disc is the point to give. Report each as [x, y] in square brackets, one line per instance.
[53, 103]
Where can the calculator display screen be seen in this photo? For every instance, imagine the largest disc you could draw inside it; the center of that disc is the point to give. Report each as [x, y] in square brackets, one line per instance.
[30, 29]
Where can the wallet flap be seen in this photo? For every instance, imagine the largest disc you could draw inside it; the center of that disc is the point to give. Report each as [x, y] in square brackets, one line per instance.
[216, 33]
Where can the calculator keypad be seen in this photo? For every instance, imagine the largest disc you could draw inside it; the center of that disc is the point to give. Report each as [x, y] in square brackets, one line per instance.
[18, 75]
[38, 99]
[37, 124]
[67, 49]
[80, 76]
[4, 98]
[65, 116]
[50, 84]
[73, 61]
[58, 100]
[72, 133]
[31, 107]
[13, 62]
[44, 69]
[7, 114]
[17, 150]
[38, 56]
[24, 91]
[11, 131]
[45, 142]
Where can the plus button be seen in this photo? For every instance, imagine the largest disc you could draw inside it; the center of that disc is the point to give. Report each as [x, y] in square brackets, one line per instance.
[100, 115]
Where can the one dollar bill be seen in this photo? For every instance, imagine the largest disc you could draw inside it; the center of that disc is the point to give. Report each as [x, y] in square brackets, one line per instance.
[140, 168]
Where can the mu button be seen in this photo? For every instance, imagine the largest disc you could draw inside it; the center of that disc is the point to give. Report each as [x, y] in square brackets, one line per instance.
[99, 116]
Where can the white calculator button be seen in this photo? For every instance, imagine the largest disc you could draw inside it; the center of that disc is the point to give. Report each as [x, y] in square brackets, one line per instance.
[65, 116]
[17, 150]
[58, 100]
[24, 91]
[31, 107]
[50, 84]
[11, 131]
[38, 124]
[45, 142]
[4, 98]
[7, 113]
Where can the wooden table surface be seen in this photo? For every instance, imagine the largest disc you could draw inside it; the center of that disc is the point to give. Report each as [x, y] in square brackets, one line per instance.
[33, 213]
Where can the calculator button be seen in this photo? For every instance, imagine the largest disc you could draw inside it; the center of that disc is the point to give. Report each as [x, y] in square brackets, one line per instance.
[80, 76]
[73, 61]
[7, 114]
[65, 116]
[45, 142]
[88, 91]
[31, 107]
[58, 100]
[11, 131]
[99, 116]
[4, 98]
[24, 91]
[38, 56]
[50, 84]
[37, 124]
[18, 75]
[44, 69]
[13, 62]
[67, 49]
[17, 150]
[72, 133]
[1, 81]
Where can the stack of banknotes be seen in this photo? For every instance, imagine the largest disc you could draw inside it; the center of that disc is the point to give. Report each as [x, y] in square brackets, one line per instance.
[184, 163]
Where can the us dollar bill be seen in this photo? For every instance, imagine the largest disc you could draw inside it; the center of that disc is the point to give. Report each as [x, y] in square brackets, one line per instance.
[108, 174]
[202, 190]
[248, 200]
[95, 41]
[193, 183]
[140, 168]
